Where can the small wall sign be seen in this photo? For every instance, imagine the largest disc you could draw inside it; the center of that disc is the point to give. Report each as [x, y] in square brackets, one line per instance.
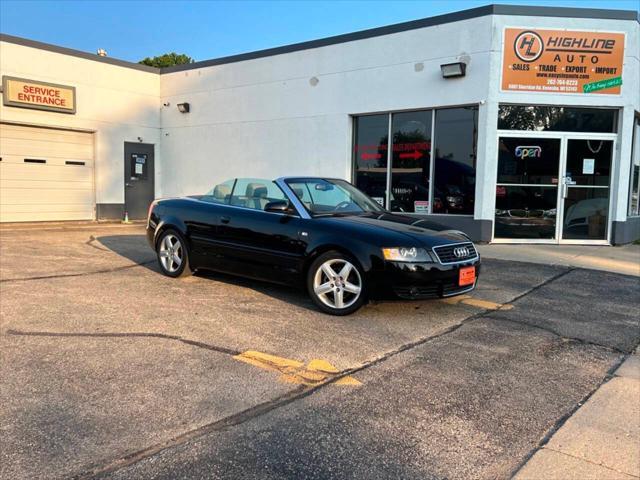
[24, 93]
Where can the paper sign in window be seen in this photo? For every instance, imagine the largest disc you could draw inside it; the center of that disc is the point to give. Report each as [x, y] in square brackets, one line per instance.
[588, 166]
[421, 206]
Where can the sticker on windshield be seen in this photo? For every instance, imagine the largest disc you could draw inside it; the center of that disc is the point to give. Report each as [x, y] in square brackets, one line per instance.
[380, 201]
[421, 206]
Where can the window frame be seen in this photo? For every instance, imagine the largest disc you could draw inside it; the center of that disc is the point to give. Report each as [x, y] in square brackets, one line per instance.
[635, 139]
[389, 114]
[434, 146]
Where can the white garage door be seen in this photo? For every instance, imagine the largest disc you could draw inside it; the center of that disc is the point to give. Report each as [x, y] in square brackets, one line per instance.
[45, 174]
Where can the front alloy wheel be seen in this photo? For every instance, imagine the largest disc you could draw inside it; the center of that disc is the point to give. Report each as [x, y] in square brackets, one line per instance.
[335, 284]
[172, 255]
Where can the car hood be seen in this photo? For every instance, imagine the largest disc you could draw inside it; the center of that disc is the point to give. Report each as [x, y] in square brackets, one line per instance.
[423, 232]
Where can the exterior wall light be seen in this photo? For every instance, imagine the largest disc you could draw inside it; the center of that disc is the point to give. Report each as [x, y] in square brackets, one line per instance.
[452, 70]
[183, 107]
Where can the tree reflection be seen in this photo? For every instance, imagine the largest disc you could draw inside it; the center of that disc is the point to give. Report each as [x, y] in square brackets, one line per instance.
[556, 119]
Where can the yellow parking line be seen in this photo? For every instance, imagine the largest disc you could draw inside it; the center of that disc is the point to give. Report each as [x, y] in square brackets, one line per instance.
[476, 302]
[292, 371]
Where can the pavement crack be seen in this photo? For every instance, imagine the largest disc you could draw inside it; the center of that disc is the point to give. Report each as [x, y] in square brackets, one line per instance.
[546, 282]
[227, 422]
[81, 274]
[563, 419]
[283, 400]
[580, 341]
[193, 343]
[591, 462]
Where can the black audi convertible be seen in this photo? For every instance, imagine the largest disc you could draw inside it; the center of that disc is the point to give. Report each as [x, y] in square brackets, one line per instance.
[322, 233]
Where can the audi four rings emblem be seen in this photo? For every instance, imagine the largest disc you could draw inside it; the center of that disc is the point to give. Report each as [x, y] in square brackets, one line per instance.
[460, 252]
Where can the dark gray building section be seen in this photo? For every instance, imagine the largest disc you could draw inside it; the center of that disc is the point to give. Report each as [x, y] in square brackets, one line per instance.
[110, 211]
[477, 230]
[625, 232]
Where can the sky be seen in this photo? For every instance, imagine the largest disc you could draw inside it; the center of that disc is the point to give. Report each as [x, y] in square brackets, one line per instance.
[132, 30]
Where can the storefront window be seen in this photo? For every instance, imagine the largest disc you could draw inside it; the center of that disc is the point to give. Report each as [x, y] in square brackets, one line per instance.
[557, 119]
[634, 190]
[370, 155]
[456, 131]
[411, 161]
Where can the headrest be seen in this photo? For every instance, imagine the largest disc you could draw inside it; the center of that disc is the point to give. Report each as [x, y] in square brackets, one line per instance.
[256, 190]
[221, 191]
[299, 192]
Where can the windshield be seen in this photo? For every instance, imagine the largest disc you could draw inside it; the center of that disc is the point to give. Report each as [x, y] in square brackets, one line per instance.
[331, 197]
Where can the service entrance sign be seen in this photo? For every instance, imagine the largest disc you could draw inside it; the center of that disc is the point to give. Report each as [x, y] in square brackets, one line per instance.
[20, 92]
[562, 61]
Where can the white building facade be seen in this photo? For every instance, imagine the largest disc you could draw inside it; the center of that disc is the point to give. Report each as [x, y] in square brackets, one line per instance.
[531, 139]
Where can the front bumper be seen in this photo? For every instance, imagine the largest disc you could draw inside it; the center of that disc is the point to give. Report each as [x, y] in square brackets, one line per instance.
[413, 281]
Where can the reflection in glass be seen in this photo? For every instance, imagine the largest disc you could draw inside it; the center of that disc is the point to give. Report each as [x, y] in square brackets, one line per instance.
[557, 119]
[525, 212]
[528, 160]
[456, 132]
[370, 154]
[589, 161]
[634, 190]
[585, 214]
[411, 133]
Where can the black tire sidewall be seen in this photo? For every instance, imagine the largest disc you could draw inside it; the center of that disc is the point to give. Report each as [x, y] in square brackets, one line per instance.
[311, 272]
[184, 269]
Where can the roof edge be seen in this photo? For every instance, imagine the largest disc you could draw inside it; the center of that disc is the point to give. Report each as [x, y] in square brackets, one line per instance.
[342, 38]
[519, 10]
[76, 53]
[516, 10]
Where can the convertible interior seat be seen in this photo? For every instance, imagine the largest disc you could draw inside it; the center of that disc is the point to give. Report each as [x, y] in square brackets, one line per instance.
[256, 194]
[222, 192]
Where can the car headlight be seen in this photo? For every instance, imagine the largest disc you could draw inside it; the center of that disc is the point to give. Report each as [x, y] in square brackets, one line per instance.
[406, 254]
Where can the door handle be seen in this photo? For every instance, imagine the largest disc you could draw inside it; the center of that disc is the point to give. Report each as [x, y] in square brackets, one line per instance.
[225, 219]
[566, 181]
[127, 184]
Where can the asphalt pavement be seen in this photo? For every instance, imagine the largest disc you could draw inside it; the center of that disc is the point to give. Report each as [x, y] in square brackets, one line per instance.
[111, 370]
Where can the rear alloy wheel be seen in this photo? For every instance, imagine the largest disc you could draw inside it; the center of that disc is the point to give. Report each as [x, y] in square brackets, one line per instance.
[335, 283]
[172, 254]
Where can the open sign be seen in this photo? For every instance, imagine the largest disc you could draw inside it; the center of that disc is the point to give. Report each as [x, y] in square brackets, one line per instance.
[528, 151]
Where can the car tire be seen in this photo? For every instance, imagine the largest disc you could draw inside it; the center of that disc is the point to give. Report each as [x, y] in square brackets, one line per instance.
[173, 254]
[335, 283]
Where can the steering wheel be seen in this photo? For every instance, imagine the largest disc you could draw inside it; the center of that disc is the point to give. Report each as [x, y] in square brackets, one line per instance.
[342, 205]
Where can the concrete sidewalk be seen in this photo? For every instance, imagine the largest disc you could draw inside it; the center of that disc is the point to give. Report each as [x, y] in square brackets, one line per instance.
[601, 440]
[624, 259]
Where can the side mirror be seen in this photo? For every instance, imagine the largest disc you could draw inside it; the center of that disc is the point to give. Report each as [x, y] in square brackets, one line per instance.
[279, 206]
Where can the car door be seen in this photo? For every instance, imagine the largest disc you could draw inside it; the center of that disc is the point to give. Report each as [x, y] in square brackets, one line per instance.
[262, 244]
[203, 224]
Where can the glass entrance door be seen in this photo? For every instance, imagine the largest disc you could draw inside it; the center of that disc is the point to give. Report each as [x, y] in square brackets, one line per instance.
[585, 190]
[527, 189]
